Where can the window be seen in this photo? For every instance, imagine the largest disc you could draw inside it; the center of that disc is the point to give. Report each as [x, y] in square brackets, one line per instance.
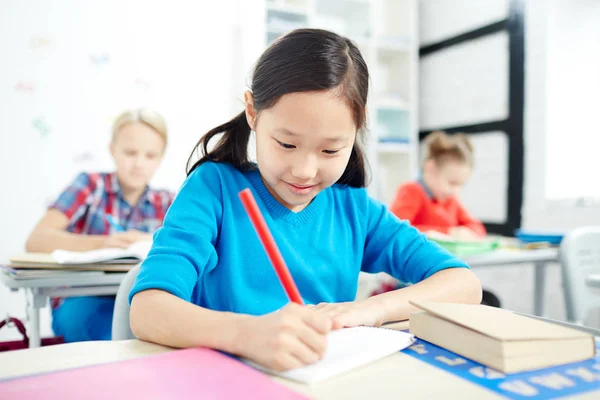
[573, 100]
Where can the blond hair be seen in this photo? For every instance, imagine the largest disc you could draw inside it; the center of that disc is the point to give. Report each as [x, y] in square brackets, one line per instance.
[441, 147]
[143, 116]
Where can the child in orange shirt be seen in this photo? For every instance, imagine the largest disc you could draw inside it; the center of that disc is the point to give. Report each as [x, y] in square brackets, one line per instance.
[430, 204]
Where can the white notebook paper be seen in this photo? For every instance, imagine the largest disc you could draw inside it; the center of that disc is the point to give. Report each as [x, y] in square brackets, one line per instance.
[135, 253]
[347, 349]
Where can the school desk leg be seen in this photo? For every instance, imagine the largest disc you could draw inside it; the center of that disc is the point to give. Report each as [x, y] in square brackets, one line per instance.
[539, 289]
[38, 301]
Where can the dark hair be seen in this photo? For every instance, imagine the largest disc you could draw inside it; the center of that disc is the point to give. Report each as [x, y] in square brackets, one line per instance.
[300, 61]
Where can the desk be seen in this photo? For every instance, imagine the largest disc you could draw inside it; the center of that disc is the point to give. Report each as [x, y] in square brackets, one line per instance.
[398, 375]
[63, 285]
[540, 259]
[395, 375]
[593, 281]
[70, 285]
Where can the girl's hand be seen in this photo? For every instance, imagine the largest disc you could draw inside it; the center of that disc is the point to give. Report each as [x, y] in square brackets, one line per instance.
[345, 315]
[289, 338]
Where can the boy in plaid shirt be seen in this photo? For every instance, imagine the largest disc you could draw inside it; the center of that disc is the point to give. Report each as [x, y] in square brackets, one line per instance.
[79, 219]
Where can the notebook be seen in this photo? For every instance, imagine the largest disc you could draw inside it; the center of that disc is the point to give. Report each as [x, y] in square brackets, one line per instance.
[131, 255]
[22, 274]
[461, 247]
[347, 349]
[524, 236]
[198, 373]
[71, 268]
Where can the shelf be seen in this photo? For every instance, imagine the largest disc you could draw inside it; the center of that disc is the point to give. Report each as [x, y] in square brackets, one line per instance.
[348, 18]
[280, 26]
[346, 9]
[363, 43]
[354, 2]
[282, 19]
[394, 147]
[393, 43]
[278, 30]
[286, 9]
[392, 144]
[392, 103]
[272, 36]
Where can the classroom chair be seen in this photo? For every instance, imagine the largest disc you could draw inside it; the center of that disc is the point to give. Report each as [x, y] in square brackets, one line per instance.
[580, 257]
[121, 329]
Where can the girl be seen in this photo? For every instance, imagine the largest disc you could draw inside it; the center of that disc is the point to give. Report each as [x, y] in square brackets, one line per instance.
[430, 204]
[207, 280]
[79, 220]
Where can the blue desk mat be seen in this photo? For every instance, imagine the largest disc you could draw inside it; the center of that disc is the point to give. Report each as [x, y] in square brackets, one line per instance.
[549, 383]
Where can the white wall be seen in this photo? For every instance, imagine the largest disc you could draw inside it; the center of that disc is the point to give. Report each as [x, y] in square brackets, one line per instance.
[467, 84]
[541, 53]
[551, 29]
[465, 15]
[68, 67]
[573, 82]
[561, 128]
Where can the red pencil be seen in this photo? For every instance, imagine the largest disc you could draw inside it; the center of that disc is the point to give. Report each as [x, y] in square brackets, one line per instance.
[271, 248]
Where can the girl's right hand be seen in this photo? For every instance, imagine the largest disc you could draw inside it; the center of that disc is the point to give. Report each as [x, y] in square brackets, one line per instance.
[289, 338]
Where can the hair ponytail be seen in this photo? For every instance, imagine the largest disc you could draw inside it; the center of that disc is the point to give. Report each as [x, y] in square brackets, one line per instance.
[355, 174]
[232, 146]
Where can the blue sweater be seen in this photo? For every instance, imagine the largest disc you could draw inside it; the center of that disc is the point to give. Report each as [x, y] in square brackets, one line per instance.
[207, 251]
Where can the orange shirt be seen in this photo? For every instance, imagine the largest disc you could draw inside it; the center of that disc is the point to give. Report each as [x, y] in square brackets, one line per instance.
[413, 203]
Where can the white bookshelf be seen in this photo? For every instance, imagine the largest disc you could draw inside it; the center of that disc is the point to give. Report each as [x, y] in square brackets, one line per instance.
[386, 33]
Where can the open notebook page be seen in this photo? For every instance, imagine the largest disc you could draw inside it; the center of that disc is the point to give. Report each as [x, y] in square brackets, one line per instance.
[138, 251]
[347, 349]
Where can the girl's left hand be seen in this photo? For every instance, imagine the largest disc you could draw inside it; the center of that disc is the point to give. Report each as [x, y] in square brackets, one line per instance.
[356, 313]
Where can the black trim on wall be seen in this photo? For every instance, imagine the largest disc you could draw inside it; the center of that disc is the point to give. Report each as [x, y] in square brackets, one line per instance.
[483, 127]
[513, 125]
[464, 37]
[516, 104]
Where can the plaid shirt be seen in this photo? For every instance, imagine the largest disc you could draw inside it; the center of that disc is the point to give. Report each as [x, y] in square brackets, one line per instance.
[91, 197]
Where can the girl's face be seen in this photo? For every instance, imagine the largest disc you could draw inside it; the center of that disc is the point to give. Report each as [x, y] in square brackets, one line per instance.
[303, 144]
[137, 150]
[446, 179]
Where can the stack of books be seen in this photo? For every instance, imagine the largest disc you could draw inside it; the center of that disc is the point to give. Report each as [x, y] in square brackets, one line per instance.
[39, 265]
